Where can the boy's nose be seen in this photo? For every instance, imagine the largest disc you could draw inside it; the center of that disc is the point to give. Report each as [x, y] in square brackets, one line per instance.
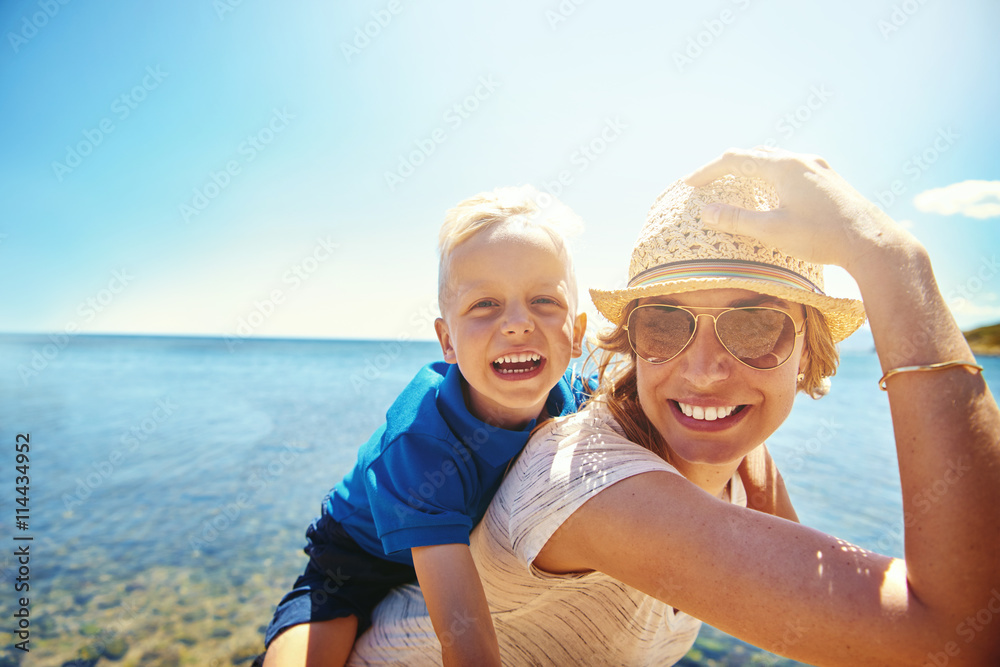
[705, 360]
[518, 321]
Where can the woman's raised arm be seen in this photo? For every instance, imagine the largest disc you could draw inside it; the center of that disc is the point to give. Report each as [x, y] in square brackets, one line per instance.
[945, 422]
[786, 587]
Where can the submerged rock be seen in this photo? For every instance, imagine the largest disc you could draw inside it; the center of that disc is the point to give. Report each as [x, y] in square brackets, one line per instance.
[115, 649]
[194, 615]
[90, 629]
[91, 652]
[245, 654]
[45, 627]
[162, 657]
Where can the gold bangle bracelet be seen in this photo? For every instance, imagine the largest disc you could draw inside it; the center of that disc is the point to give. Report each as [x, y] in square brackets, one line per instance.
[929, 367]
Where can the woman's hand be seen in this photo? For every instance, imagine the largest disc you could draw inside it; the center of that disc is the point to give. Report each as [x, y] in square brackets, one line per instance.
[821, 219]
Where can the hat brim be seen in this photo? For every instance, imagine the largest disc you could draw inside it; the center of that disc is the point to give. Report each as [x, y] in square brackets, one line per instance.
[844, 316]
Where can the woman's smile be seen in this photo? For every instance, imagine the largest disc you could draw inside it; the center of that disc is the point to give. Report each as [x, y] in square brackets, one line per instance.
[702, 417]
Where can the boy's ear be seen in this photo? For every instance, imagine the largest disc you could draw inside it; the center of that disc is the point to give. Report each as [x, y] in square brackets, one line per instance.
[579, 328]
[444, 337]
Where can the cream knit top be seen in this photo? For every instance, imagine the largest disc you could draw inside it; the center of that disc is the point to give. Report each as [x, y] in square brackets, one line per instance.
[540, 618]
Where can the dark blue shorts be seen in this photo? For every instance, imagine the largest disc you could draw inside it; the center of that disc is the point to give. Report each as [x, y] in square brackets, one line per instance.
[341, 579]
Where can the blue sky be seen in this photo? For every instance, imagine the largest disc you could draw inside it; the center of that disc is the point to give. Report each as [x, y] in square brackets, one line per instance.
[221, 168]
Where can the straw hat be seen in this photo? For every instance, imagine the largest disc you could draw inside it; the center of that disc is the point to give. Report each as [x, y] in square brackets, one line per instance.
[674, 254]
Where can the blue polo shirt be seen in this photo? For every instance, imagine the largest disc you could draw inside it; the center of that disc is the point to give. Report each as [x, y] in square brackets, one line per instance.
[427, 476]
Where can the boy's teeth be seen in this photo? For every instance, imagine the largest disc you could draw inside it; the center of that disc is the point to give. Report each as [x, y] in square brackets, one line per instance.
[530, 358]
[520, 357]
[706, 414]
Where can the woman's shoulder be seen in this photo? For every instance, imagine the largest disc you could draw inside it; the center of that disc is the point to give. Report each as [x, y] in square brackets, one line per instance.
[593, 427]
[581, 448]
[593, 417]
[566, 462]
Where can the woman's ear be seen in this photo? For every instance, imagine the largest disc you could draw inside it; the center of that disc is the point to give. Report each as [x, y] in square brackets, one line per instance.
[804, 367]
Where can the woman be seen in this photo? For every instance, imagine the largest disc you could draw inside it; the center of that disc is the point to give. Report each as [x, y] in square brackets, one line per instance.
[619, 527]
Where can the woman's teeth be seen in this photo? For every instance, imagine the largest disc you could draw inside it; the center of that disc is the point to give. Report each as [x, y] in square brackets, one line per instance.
[709, 414]
[521, 362]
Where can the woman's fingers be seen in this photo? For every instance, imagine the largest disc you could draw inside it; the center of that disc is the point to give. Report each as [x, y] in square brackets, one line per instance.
[820, 217]
[734, 161]
[736, 220]
[771, 164]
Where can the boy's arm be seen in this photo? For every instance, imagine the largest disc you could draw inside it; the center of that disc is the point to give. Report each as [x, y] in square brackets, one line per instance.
[457, 604]
[764, 485]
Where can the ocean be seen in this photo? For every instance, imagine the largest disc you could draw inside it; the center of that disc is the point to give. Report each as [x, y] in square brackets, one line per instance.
[172, 479]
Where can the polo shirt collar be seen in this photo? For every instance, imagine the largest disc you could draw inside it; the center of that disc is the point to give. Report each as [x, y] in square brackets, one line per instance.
[496, 446]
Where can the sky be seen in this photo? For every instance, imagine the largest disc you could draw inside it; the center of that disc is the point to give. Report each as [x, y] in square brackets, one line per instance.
[246, 168]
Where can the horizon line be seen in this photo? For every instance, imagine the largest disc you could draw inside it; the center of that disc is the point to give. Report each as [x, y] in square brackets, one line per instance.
[200, 336]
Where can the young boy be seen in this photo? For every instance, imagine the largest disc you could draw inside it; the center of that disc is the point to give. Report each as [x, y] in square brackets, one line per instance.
[508, 330]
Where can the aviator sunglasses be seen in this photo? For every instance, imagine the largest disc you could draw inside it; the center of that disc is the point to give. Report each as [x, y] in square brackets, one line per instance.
[759, 337]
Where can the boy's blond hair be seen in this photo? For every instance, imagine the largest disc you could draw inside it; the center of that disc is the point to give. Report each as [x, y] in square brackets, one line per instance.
[522, 206]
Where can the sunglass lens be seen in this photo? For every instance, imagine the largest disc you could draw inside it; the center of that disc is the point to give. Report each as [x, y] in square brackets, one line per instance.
[659, 333]
[759, 337]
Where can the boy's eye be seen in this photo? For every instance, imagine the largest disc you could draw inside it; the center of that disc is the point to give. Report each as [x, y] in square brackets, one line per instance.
[485, 303]
[546, 300]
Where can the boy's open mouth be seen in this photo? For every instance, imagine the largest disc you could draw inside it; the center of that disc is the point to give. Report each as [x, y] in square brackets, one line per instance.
[521, 362]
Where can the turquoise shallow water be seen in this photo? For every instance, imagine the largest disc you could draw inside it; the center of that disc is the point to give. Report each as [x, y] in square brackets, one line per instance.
[172, 480]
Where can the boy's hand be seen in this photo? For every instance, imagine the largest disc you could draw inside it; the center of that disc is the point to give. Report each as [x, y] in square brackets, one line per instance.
[457, 605]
